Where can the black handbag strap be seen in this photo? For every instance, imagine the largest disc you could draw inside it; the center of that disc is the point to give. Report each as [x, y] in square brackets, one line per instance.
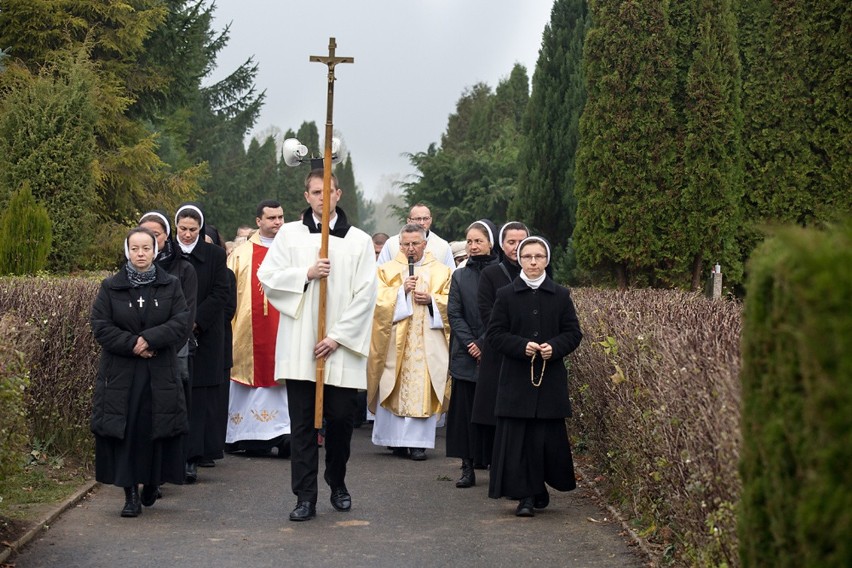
[506, 272]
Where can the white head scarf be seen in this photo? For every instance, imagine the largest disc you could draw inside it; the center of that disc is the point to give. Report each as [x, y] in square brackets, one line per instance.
[161, 216]
[534, 282]
[127, 245]
[188, 248]
[479, 224]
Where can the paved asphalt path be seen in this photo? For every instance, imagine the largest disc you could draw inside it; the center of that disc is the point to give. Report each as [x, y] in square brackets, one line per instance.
[404, 513]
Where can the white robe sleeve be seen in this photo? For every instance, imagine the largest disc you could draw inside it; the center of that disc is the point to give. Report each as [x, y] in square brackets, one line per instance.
[404, 308]
[436, 322]
[353, 324]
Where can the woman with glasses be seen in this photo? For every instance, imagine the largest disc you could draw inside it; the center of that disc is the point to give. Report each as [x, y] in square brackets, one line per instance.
[493, 277]
[533, 326]
[140, 320]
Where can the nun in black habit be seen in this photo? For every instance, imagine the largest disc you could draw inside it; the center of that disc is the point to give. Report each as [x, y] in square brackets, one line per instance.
[139, 318]
[208, 363]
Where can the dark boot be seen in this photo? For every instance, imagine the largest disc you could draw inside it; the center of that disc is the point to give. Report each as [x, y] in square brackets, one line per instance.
[150, 494]
[132, 503]
[468, 477]
[525, 507]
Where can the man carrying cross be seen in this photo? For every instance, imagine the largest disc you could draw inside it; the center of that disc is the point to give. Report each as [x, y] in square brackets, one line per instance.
[290, 275]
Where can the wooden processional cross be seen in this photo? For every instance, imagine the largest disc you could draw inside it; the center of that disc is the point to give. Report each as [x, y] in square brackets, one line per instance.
[331, 61]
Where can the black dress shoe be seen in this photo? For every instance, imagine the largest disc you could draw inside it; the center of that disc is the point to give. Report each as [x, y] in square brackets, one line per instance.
[542, 500]
[206, 462]
[150, 494]
[191, 473]
[341, 500]
[525, 508]
[399, 452]
[304, 510]
[418, 454]
[132, 503]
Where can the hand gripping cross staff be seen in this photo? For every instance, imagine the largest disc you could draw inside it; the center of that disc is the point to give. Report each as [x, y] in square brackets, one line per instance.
[331, 61]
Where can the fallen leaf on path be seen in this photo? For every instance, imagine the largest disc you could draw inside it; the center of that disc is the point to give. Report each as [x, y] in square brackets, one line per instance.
[352, 523]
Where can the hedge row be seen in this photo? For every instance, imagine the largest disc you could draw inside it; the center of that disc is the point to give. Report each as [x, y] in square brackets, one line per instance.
[61, 357]
[657, 408]
[797, 402]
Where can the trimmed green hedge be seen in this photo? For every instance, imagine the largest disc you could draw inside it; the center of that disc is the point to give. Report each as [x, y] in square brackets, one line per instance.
[797, 402]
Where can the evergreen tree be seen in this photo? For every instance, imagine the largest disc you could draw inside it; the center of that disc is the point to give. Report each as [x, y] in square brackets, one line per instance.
[47, 141]
[474, 173]
[130, 175]
[25, 234]
[349, 197]
[710, 202]
[797, 136]
[624, 186]
[257, 181]
[221, 117]
[545, 197]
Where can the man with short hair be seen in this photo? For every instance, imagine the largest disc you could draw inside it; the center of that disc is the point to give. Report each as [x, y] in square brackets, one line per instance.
[379, 240]
[420, 215]
[291, 275]
[258, 418]
[407, 372]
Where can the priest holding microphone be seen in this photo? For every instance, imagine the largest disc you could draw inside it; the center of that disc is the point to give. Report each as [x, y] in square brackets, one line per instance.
[407, 369]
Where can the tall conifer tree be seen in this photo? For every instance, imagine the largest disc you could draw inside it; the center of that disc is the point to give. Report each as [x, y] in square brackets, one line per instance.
[545, 197]
[349, 198]
[627, 146]
[797, 136]
[710, 201]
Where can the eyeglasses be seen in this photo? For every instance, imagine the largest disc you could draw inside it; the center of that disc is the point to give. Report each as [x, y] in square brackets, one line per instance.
[411, 245]
[536, 257]
[419, 219]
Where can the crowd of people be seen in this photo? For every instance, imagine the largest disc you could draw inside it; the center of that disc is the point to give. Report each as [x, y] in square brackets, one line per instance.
[210, 347]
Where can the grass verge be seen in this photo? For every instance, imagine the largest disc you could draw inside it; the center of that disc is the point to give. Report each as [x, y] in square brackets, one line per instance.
[26, 497]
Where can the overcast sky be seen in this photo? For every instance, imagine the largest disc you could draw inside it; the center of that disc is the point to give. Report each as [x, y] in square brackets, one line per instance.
[413, 60]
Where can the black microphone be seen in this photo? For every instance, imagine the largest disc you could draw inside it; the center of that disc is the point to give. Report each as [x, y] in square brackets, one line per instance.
[410, 265]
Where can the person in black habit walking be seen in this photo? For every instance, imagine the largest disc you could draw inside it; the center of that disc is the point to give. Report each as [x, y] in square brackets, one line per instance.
[493, 277]
[466, 344]
[534, 326]
[208, 362]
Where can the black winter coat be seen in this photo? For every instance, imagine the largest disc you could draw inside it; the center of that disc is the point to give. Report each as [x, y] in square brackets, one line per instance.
[212, 296]
[117, 321]
[182, 269]
[545, 315]
[463, 315]
[228, 315]
[493, 278]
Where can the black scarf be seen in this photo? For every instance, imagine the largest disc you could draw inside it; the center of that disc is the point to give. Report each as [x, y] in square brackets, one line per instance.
[167, 256]
[137, 278]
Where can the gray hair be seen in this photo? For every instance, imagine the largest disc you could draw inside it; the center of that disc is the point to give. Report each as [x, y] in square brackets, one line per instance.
[413, 228]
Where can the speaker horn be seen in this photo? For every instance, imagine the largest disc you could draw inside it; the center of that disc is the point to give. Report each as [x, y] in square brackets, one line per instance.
[294, 152]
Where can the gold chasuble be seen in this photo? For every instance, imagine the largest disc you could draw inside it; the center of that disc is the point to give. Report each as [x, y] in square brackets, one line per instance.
[407, 369]
[255, 322]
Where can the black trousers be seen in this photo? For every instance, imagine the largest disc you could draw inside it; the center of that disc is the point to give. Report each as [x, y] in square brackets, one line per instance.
[339, 406]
